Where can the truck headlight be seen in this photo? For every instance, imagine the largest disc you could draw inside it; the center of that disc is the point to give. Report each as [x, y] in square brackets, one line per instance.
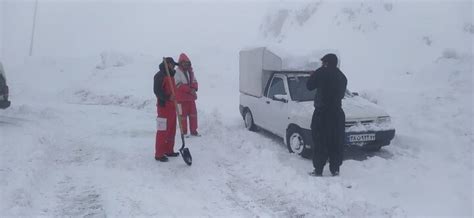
[383, 120]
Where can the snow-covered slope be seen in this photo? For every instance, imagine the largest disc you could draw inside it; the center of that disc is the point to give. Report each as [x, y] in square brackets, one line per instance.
[78, 139]
[415, 59]
[375, 38]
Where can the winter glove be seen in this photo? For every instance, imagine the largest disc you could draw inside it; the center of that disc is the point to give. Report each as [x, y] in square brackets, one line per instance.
[194, 86]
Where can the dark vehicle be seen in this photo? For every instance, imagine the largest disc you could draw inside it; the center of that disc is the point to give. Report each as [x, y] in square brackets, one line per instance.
[4, 102]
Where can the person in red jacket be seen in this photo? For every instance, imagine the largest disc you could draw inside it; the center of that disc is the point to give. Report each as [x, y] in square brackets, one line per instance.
[187, 87]
[166, 119]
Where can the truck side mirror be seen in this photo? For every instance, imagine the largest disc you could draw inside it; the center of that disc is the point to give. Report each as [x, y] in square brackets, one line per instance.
[282, 98]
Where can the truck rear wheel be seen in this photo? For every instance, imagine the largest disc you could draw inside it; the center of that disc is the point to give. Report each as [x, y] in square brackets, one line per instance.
[296, 141]
[248, 121]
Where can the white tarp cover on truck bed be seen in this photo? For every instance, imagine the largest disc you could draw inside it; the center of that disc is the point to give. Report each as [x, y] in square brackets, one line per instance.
[255, 67]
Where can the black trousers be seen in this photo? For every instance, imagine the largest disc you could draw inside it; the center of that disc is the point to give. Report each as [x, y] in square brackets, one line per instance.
[328, 132]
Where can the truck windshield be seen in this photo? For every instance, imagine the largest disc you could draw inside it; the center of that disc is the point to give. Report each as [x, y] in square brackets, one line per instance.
[298, 90]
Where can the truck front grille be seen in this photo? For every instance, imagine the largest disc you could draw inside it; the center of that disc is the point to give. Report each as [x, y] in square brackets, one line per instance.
[364, 122]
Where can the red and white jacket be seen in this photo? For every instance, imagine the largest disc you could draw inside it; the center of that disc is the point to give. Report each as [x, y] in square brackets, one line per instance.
[186, 83]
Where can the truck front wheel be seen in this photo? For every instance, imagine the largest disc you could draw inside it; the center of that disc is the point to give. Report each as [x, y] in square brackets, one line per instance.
[296, 141]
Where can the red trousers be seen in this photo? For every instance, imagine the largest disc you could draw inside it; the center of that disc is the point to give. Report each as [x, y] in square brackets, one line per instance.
[188, 109]
[166, 129]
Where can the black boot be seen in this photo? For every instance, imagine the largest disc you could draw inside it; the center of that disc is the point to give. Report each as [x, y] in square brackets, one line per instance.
[162, 159]
[316, 173]
[334, 171]
[173, 154]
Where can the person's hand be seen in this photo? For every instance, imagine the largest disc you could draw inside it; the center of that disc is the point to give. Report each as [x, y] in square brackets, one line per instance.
[172, 98]
[193, 93]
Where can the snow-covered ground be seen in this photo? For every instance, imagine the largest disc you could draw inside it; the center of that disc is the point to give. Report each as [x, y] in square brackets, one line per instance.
[78, 139]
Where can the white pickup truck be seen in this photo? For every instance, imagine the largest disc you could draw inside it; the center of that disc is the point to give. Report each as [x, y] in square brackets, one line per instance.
[277, 100]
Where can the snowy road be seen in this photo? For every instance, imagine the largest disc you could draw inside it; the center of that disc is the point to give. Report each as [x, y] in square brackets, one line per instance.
[78, 148]
[79, 169]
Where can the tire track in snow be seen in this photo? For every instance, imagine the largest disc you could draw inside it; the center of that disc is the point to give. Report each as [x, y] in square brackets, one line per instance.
[259, 196]
[261, 199]
[78, 200]
[74, 191]
[250, 191]
[76, 194]
[255, 179]
[25, 166]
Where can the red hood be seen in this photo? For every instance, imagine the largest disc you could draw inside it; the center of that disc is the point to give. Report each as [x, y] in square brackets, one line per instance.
[183, 57]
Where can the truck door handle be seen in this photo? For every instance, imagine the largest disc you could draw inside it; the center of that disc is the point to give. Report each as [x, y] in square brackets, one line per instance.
[268, 102]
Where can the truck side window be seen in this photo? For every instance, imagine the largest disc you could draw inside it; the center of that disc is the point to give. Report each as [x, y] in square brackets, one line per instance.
[277, 87]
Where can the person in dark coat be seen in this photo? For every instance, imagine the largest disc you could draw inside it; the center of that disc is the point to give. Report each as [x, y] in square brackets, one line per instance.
[328, 122]
[166, 110]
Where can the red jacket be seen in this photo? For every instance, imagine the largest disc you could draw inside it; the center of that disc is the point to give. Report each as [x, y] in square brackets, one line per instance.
[186, 82]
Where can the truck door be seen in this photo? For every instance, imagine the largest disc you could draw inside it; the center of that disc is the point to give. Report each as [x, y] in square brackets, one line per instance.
[276, 106]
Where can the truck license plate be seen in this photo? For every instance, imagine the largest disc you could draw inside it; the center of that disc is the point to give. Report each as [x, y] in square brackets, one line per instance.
[362, 138]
